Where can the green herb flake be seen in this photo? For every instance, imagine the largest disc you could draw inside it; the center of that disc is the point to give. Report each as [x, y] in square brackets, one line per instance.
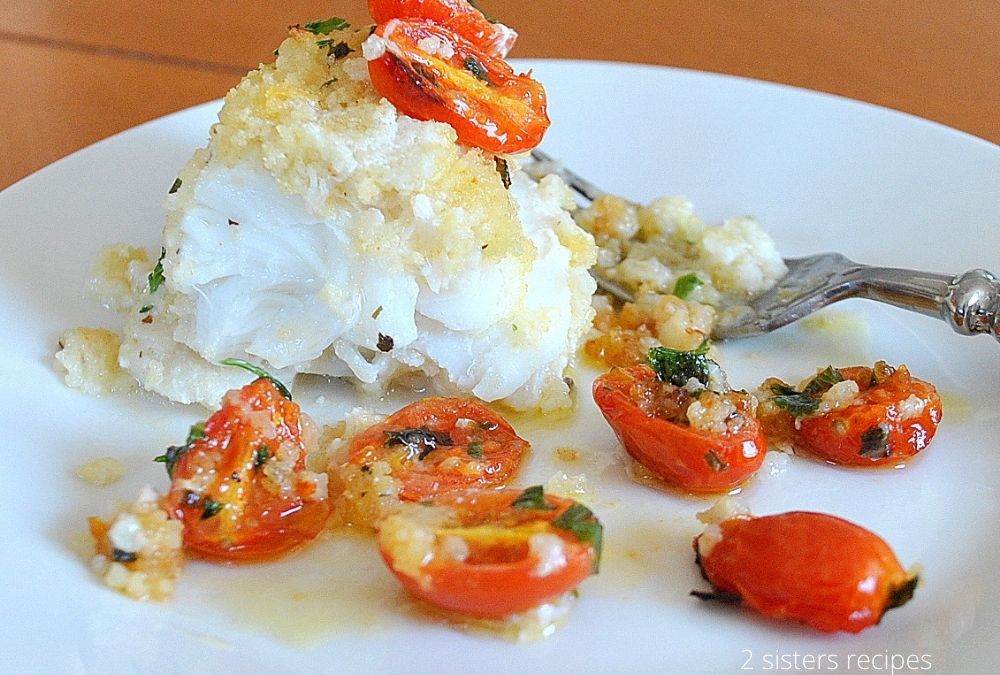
[796, 403]
[328, 82]
[475, 449]
[175, 186]
[580, 520]
[175, 452]
[156, 277]
[677, 367]
[715, 462]
[477, 69]
[260, 457]
[823, 381]
[686, 284]
[532, 498]
[875, 443]
[259, 372]
[327, 26]
[210, 508]
[145, 309]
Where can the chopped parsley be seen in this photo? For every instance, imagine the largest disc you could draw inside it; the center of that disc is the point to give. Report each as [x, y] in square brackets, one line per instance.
[580, 520]
[677, 367]
[210, 508]
[475, 449]
[326, 26]
[420, 440]
[805, 402]
[175, 186]
[476, 68]
[260, 457]
[532, 498]
[875, 443]
[796, 403]
[156, 277]
[686, 284]
[175, 452]
[823, 381]
[259, 372]
[145, 308]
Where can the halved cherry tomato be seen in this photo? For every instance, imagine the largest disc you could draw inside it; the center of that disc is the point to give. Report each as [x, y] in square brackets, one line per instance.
[240, 484]
[430, 73]
[894, 416]
[491, 553]
[460, 16]
[440, 444]
[811, 567]
[650, 419]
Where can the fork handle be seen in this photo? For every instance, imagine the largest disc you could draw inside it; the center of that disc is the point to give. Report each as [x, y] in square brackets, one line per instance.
[969, 302]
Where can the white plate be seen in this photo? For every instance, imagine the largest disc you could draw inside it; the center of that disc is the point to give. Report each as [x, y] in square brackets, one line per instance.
[821, 173]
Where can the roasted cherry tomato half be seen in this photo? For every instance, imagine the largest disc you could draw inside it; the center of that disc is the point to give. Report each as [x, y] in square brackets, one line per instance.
[892, 416]
[810, 567]
[430, 73]
[460, 16]
[491, 554]
[652, 420]
[440, 444]
[240, 483]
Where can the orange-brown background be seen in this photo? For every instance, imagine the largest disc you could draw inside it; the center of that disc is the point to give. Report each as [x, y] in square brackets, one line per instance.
[75, 71]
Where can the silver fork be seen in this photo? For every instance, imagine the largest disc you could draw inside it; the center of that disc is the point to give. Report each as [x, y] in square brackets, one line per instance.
[969, 302]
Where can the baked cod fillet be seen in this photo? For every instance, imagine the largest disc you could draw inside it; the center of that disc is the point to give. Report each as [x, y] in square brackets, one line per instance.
[321, 231]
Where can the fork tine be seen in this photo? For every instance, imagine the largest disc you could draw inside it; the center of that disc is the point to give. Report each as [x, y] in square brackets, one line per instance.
[579, 184]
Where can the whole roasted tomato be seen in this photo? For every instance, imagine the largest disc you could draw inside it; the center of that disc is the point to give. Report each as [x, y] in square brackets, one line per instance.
[810, 567]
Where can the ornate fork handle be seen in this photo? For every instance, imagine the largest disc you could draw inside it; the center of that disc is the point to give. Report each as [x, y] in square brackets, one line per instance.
[969, 303]
[972, 303]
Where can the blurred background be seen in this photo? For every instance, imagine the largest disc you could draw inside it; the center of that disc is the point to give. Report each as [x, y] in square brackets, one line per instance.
[76, 71]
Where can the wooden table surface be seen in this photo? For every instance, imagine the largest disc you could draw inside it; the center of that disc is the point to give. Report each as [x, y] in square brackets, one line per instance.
[76, 71]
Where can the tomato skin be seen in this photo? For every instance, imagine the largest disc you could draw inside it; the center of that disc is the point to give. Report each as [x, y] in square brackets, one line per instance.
[447, 467]
[224, 471]
[810, 567]
[498, 111]
[837, 436]
[499, 576]
[460, 16]
[677, 453]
